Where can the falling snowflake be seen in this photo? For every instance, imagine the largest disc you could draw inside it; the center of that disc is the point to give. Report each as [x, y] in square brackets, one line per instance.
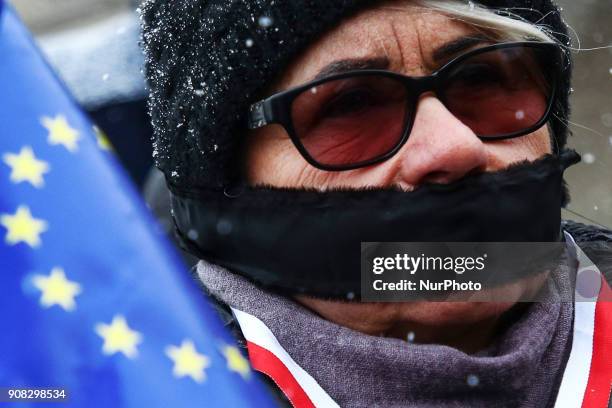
[265, 21]
[105, 77]
[248, 43]
[410, 337]
[192, 234]
[588, 158]
[472, 380]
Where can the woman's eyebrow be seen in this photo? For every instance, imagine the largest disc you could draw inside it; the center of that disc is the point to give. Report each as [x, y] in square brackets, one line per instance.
[454, 47]
[345, 65]
[441, 53]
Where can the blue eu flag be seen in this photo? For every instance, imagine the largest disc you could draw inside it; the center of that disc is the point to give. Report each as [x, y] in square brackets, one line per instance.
[92, 297]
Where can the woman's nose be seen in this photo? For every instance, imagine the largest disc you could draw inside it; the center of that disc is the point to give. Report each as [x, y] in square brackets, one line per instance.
[440, 148]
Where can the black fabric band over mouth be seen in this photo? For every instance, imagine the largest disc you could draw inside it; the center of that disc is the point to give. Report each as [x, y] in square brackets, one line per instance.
[307, 241]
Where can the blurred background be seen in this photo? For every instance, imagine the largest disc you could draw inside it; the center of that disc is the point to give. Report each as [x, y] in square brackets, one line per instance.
[93, 44]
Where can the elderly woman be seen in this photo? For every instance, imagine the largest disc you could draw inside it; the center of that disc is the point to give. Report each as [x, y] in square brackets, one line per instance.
[290, 131]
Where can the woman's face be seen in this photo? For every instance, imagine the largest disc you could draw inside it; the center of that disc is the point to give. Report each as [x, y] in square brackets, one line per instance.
[440, 148]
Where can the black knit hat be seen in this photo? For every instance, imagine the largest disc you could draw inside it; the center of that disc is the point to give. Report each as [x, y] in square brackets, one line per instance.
[208, 60]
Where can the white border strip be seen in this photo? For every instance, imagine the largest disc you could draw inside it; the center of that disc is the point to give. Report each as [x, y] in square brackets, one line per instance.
[255, 331]
[576, 375]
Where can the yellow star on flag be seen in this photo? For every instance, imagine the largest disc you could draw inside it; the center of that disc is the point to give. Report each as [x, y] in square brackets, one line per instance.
[236, 361]
[102, 139]
[26, 167]
[118, 337]
[60, 132]
[57, 290]
[187, 361]
[22, 227]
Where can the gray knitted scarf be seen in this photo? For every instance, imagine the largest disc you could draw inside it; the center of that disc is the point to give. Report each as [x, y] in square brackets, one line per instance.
[522, 368]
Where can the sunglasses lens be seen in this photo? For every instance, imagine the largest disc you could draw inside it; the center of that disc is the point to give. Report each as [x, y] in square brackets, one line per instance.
[503, 91]
[350, 121]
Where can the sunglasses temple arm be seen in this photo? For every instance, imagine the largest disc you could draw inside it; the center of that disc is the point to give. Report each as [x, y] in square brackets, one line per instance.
[257, 115]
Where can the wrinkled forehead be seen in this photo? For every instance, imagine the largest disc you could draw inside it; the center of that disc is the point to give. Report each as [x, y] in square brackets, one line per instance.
[398, 36]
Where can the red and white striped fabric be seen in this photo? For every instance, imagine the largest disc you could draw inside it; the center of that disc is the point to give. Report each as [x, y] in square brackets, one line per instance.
[269, 357]
[586, 381]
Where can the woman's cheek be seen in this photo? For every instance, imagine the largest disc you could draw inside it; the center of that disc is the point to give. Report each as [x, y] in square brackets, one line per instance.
[271, 162]
[530, 147]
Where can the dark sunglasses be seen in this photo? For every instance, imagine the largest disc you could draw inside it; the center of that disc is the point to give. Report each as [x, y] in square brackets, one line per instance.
[359, 118]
